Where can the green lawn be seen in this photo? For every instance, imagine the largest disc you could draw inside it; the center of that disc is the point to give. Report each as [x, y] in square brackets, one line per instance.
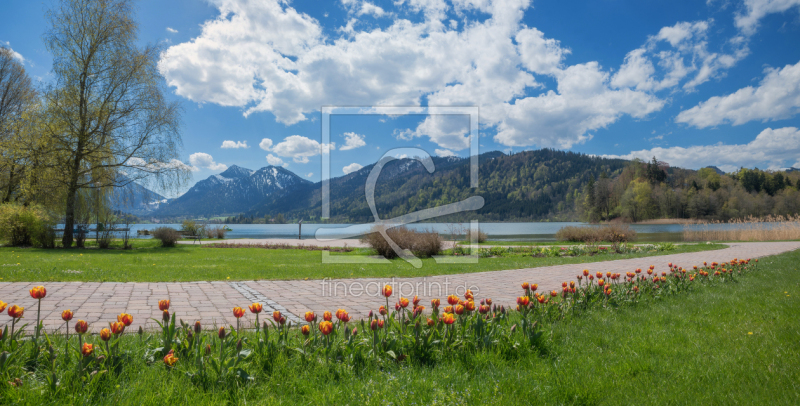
[691, 348]
[149, 263]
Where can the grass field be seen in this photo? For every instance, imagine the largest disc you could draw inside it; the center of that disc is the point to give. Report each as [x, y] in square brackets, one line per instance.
[149, 263]
[731, 343]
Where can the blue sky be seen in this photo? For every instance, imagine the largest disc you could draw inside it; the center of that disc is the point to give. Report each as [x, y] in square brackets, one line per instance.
[694, 83]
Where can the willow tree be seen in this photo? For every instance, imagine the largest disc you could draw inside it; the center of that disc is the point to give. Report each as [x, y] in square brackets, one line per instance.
[110, 122]
[17, 97]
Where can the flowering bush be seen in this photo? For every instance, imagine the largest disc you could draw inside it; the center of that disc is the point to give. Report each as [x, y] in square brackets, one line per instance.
[413, 332]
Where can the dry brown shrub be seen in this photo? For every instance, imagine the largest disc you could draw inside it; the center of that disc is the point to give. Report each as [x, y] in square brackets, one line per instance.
[613, 233]
[421, 243]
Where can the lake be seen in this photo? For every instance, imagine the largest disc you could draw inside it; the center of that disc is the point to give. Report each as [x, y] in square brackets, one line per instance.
[496, 231]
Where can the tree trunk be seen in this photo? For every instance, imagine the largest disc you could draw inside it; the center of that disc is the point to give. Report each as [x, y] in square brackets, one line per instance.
[72, 192]
[7, 197]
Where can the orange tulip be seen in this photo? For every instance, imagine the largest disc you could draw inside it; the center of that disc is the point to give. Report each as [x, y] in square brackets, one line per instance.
[310, 316]
[87, 349]
[305, 330]
[105, 334]
[118, 327]
[448, 309]
[403, 302]
[484, 309]
[526, 286]
[382, 310]
[468, 295]
[380, 323]
[470, 306]
[81, 327]
[343, 316]
[170, 359]
[534, 286]
[553, 293]
[15, 311]
[600, 282]
[221, 333]
[448, 318]
[523, 300]
[416, 300]
[326, 327]
[238, 312]
[3, 306]
[125, 319]
[373, 325]
[488, 301]
[459, 310]
[435, 303]
[38, 292]
[165, 315]
[163, 304]
[256, 308]
[66, 315]
[387, 290]
[276, 315]
[452, 299]
[327, 316]
[585, 272]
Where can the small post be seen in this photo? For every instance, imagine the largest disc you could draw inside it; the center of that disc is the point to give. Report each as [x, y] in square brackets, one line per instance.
[300, 229]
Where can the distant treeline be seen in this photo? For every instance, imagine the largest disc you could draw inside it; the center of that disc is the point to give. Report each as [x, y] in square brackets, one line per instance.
[648, 190]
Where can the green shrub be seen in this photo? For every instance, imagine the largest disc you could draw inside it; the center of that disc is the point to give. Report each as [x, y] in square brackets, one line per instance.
[26, 226]
[168, 236]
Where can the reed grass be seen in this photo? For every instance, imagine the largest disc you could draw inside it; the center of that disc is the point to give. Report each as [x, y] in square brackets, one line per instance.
[770, 228]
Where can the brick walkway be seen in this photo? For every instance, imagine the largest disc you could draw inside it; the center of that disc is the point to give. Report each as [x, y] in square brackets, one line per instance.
[211, 302]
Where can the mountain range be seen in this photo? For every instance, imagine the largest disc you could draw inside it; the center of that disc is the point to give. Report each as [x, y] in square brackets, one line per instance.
[526, 185]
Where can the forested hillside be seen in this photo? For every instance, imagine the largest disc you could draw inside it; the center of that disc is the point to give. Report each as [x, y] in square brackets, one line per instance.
[654, 190]
[530, 185]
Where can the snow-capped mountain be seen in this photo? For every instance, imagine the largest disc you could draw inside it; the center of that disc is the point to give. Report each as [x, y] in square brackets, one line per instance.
[231, 192]
[134, 198]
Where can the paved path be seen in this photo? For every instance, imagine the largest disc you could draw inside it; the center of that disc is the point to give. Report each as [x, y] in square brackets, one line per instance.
[211, 302]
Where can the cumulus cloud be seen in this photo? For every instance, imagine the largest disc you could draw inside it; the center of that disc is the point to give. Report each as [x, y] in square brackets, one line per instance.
[274, 161]
[234, 144]
[680, 51]
[310, 174]
[352, 141]
[16, 54]
[203, 160]
[771, 149]
[446, 130]
[300, 148]
[776, 97]
[444, 152]
[265, 144]
[351, 168]
[362, 7]
[171, 30]
[755, 10]
[266, 56]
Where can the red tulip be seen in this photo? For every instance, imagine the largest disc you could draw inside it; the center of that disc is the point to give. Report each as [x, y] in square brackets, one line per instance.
[38, 292]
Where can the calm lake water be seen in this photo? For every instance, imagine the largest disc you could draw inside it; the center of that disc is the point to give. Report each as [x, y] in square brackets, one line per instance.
[496, 231]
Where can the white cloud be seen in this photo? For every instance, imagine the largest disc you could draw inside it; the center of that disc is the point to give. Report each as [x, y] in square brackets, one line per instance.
[234, 144]
[203, 160]
[687, 54]
[352, 141]
[755, 10]
[776, 97]
[363, 7]
[446, 130]
[265, 144]
[265, 56]
[171, 30]
[351, 168]
[444, 152]
[771, 149]
[274, 161]
[301, 148]
[310, 174]
[16, 54]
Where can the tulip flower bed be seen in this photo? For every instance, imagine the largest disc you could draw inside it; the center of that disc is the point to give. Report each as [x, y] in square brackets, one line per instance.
[601, 339]
[195, 263]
